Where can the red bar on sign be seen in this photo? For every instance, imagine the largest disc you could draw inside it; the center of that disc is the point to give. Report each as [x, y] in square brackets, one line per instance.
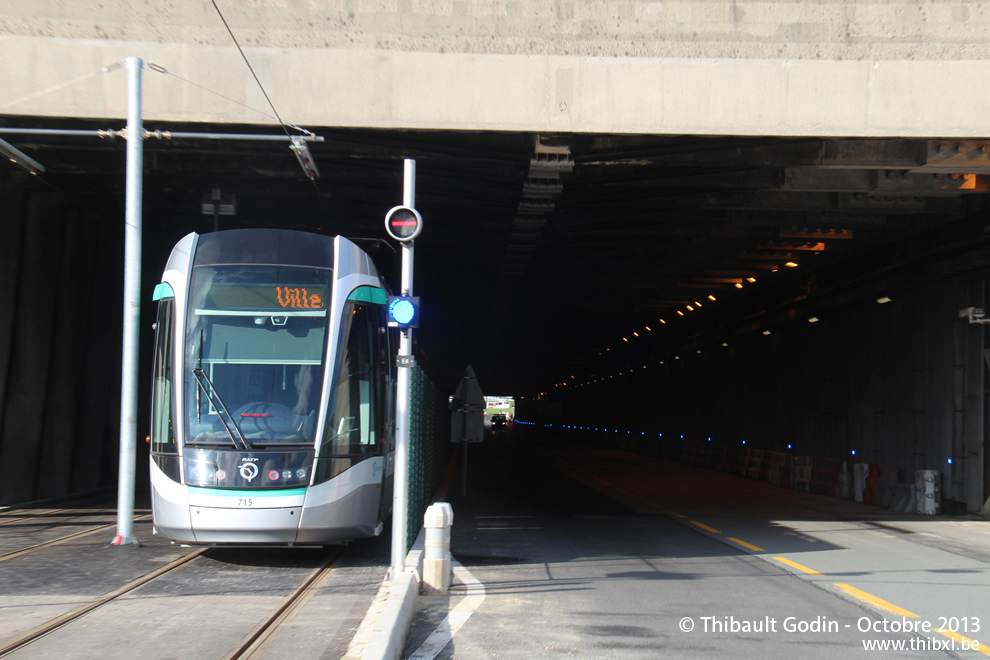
[403, 223]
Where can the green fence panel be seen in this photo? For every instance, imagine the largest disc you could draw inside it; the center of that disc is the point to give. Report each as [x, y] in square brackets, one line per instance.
[429, 448]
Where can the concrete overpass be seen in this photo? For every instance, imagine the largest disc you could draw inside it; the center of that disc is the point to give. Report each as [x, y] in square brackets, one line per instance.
[636, 154]
[827, 68]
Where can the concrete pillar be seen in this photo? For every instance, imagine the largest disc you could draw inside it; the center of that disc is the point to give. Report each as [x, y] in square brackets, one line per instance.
[436, 558]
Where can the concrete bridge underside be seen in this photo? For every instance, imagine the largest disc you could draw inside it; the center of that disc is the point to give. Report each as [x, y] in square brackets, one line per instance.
[784, 68]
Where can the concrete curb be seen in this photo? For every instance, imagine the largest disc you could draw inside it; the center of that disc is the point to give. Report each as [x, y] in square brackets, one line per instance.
[389, 634]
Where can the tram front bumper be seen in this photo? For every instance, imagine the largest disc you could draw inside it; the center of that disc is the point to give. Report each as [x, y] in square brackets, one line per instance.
[223, 525]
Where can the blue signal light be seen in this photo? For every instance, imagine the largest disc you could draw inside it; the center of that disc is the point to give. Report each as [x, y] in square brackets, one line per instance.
[404, 312]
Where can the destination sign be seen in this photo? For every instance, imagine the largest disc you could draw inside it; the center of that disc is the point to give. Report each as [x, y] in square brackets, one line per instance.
[268, 297]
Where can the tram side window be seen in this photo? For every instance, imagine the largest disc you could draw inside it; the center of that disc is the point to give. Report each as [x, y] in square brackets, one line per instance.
[352, 428]
[162, 430]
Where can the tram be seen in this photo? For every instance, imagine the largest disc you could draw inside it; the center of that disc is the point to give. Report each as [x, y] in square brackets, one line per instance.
[273, 394]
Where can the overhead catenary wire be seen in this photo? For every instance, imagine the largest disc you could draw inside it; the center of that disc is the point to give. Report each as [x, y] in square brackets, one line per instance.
[160, 69]
[62, 85]
[250, 68]
[308, 170]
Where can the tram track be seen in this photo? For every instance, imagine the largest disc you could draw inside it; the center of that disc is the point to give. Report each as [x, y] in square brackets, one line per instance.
[252, 645]
[32, 516]
[67, 618]
[37, 546]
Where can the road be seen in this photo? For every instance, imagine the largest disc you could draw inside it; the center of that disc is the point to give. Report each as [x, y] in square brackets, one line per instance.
[590, 553]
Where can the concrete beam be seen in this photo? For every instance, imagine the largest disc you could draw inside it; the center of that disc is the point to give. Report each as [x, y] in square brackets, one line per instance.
[521, 67]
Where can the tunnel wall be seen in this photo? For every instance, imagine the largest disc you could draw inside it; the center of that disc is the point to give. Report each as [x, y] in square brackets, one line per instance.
[59, 345]
[901, 384]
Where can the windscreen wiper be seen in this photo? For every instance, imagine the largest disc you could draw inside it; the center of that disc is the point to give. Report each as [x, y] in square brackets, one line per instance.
[240, 442]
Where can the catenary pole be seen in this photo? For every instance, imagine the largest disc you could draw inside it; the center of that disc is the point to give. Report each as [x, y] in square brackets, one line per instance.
[132, 307]
[400, 500]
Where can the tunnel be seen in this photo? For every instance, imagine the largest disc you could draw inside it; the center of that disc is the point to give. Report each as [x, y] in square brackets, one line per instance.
[809, 296]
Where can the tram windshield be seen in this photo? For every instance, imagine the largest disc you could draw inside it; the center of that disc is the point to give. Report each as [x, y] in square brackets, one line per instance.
[255, 350]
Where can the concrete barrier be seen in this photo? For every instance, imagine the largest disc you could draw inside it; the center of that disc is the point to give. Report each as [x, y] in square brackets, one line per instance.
[436, 560]
[927, 491]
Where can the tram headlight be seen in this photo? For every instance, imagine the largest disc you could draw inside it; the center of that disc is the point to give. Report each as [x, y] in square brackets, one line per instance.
[300, 473]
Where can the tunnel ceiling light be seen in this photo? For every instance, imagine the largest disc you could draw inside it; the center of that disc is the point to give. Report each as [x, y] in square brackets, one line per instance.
[712, 298]
[751, 279]
[814, 319]
[662, 322]
[738, 285]
[791, 264]
[648, 329]
[697, 304]
[766, 332]
[680, 313]
[884, 300]
[690, 309]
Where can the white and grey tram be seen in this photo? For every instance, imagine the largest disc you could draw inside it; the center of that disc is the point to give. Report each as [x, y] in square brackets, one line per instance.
[272, 406]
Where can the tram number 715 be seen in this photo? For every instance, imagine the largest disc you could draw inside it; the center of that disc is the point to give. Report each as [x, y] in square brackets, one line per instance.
[245, 503]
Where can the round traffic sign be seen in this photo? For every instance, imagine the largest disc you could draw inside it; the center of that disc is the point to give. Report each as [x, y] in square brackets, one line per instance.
[403, 223]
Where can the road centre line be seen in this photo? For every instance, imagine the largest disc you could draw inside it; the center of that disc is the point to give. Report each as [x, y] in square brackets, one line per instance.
[870, 599]
[858, 594]
[881, 604]
[705, 527]
[667, 511]
[794, 564]
[746, 545]
[964, 642]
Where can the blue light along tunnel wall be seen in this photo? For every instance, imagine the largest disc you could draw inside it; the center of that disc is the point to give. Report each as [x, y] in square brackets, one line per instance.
[901, 384]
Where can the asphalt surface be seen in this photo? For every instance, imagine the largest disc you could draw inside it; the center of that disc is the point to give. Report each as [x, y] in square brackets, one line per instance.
[589, 553]
[559, 550]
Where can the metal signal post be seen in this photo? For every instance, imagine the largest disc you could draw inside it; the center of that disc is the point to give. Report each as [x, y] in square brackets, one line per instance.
[404, 224]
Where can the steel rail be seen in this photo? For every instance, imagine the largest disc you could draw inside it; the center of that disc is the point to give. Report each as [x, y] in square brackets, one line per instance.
[23, 551]
[256, 640]
[59, 622]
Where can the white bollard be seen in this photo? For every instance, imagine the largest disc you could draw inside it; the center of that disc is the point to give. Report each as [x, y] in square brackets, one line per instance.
[436, 549]
[860, 472]
[928, 489]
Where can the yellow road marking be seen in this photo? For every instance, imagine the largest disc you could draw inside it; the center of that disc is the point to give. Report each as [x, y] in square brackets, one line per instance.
[705, 527]
[870, 599]
[746, 545]
[964, 642]
[794, 564]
